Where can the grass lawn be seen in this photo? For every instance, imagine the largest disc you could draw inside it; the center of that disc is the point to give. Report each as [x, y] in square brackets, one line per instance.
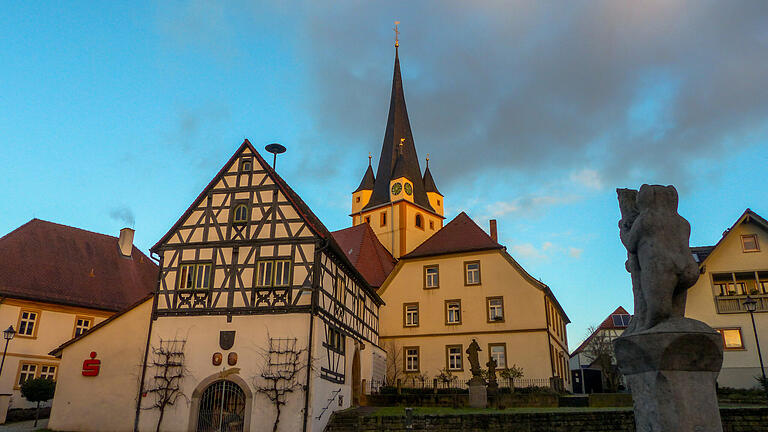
[400, 411]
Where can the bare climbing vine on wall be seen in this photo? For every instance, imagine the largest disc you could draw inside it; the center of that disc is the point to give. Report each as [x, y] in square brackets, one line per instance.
[281, 373]
[169, 372]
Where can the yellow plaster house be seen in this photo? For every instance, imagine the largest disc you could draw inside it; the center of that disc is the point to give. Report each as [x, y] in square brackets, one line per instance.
[56, 282]
[452, 283]
[736, 267]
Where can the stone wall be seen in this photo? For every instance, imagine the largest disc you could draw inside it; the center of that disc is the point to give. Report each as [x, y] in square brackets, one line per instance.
[734, 420]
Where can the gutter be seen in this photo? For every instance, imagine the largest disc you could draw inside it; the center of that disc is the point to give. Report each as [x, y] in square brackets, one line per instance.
[146, 347]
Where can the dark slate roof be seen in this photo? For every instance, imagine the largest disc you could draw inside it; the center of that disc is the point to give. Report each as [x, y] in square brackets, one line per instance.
[48, 262]
[429, 182]
[367, 182]
[366, 252]
[700, 253]
[301, 207]
[607, 324]
[398, 126]
[460, 235]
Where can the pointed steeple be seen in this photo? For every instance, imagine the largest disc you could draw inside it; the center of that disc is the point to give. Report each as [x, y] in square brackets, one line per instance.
[429, 182]
[368, 179]
[398, 149]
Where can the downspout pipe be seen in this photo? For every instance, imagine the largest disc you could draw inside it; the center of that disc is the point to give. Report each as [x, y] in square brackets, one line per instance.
[313, 306]
[146, 347]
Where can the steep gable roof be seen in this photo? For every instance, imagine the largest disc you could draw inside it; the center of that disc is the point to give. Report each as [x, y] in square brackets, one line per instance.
[49, 262]
[701, 253]
[429, 182]
[366, 252]
[607, 324]
[314, 223]
[368, 179]
[459, 235]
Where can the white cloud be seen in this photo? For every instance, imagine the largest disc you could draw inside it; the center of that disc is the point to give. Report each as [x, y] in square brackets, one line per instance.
[575, 252]
[588, 178]
[546, 251]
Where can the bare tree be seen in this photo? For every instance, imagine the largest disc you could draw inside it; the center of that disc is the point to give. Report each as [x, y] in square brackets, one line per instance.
[394, 362]
[280, 373]
[599, 352]
[168, 362]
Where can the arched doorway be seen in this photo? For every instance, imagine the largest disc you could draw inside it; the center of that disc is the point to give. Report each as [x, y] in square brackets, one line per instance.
[356, 384]
[222, 408]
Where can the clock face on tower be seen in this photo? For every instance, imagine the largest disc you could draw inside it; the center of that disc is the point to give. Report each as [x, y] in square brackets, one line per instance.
[396, 188]
[408, 188]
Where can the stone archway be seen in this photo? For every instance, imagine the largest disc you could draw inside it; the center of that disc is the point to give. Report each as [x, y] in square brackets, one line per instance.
[234, 397]
[356, 383]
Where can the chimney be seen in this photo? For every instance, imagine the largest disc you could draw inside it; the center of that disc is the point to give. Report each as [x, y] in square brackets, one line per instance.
[494, 235]
[125, 242]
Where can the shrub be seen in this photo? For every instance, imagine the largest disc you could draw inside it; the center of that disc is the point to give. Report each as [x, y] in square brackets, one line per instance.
[38, 390]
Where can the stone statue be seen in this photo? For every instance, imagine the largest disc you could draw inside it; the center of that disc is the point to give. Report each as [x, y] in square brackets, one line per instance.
[478, 395]
[474, 362]
[670, 362]
[491, 372]
[659, 258]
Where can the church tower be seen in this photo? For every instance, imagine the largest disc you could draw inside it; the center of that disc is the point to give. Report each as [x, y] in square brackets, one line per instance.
[402, 206]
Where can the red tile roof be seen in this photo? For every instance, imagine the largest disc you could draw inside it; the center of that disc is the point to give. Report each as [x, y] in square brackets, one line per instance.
[460, 235]
[366, 252]
[607, 324]
[48, 262]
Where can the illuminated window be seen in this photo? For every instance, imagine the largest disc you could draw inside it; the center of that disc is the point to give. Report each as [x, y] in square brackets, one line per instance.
[731, 338]
[472, 273]
[27, 323]
[411, 359]
[453, 357]
[453, 312]
[749, 243]
[495, 309]
[498, 352]
[27, 371]
[194, 276]
[82, 325]
[431, 276]
[411, 311]
[240, 214]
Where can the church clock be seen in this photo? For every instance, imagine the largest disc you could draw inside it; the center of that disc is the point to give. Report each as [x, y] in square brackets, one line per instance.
[396, 188]
[408, 189]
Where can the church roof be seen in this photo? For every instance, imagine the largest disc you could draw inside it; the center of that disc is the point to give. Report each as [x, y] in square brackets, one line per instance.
[429, 182]
[398, 131]
[366, 252]
[460, 235]
[367, 182]
[52, 263]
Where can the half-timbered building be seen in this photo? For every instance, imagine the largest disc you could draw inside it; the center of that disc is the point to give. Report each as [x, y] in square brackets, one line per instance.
[258, 310]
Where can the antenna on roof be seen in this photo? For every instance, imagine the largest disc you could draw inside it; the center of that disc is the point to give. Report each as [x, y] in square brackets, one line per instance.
[275, 149]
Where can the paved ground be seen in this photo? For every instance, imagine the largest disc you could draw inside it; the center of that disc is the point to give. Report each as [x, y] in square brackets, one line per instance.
[24, 426]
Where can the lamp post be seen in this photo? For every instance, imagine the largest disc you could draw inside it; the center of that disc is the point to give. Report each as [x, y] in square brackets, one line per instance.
[751, 305]
[8, 334]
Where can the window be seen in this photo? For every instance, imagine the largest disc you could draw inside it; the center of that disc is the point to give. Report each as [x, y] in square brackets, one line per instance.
[82, 325]
[336, 340]
[432, 225]
[438, 202]
[419, 221]
[246, 165]
[452, 312]
[27, 371]
[28, 323]
[749, 243]
[368, 220]
[48, 372]
[621, 320]
[731, 338]
[357, 199]
[411, 359]
[431, 276]
[495, 309]
[472, 273]
[411, 314]
[195, 276]
[240, 214]
[453, 357]
[498, 352]
[383, 219]
[273, 273]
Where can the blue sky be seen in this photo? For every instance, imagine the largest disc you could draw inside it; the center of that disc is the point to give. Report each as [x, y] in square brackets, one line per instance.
[532, 114]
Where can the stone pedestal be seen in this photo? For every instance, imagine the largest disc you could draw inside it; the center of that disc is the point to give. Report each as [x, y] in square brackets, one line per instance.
[478, 396]
[672, 370]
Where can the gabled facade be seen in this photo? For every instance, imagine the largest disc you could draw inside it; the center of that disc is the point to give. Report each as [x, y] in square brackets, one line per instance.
[461, 285]
[736, 267]
[251, 283]
[57, 282]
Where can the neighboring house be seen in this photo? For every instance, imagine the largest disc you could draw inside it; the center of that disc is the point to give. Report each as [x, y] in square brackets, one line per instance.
[452, 283]
[587, 376]
[56, 282]
[736, 267]
[251, 285]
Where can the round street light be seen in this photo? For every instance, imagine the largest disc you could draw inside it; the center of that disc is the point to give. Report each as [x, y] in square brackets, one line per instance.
[750, 304]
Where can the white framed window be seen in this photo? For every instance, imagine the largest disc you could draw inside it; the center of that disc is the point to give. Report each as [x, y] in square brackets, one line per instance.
[472, 273]
[27, 371]
[28, 323]
[453, 357]
[411, 359]
[82, 325]
[731, 338]
[749, 243]
[453, 312]
[431, 276]
[498, 352]
[495, 309]
[411, 311]
[48, 372]
[194, 276]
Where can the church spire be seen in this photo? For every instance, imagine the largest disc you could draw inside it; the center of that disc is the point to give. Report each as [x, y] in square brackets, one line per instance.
[398, 150]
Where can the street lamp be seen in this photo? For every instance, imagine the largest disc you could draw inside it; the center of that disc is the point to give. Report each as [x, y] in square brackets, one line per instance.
[751, 305]
[8, 334]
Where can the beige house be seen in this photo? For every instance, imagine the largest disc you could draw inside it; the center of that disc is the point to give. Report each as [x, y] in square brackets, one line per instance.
[736, 267]
[56, 282]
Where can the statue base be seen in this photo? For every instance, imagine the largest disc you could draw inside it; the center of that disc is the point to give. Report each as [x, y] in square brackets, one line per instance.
[672, 371]
[478, 395]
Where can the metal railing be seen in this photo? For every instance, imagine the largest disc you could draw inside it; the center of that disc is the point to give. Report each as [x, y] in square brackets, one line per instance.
[416, 384]
[735, 303]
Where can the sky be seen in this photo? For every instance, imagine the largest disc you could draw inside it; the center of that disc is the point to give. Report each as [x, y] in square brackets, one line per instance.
[533, 113]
